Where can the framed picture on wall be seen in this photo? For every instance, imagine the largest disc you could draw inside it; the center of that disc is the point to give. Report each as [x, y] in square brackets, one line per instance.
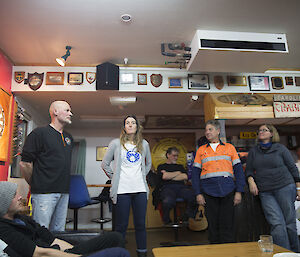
[198, 81]
[142, 78]
[259, 83]
[237, 81]
[75, 78]
[55, 78]
[175, 83]
[127, 78]
[289, 81]
[100, 152]
[277, 83]
[297, 81]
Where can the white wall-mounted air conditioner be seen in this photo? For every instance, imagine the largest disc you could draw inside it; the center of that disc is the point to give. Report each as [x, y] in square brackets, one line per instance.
[211, 48]
[241, 41]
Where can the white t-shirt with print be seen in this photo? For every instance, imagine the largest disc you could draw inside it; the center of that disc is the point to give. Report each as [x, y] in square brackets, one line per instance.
[131, 178]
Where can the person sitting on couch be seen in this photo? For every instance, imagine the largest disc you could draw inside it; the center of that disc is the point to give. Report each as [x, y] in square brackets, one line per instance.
[28, 239]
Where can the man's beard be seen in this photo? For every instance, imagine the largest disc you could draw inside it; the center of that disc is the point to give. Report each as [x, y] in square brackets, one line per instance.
[65, 121]
[68, 122]
[24, 209]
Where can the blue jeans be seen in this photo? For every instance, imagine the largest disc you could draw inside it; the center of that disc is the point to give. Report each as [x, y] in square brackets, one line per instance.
[279, 209]
[111, 252]
[106, 240]
[169, 194]
[50, 210]
[138, 201]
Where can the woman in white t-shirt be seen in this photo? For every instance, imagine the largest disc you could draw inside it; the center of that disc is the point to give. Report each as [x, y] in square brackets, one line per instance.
[132, 162]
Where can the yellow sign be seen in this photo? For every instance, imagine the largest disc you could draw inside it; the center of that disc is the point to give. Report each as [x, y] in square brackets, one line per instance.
[158, 153]
[248, 135]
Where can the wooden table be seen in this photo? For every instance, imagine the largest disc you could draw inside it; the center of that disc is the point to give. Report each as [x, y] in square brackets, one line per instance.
[249, 249]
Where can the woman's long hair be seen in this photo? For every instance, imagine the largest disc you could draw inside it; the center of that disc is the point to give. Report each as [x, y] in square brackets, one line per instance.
[275, 138]
[137, 138]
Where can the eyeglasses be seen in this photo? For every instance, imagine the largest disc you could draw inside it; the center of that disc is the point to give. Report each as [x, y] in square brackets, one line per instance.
[263, 130]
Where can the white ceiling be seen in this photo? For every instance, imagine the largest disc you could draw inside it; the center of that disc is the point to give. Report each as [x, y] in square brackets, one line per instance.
[35, 32]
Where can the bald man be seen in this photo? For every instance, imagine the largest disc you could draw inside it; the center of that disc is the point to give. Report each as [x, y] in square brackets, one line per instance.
[45, 165]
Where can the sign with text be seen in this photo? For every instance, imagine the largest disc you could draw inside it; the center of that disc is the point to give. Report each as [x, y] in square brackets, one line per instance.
[286, 98]
[248, 135]
[286, 109]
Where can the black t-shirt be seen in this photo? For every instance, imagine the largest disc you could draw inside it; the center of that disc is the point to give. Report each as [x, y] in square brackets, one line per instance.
[170, 168]
[50, 151]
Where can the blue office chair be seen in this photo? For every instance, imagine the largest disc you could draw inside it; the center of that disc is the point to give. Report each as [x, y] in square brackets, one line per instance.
[79, 196]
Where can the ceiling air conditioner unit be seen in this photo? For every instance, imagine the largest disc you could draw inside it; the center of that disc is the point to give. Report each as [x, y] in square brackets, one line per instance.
[221, 44]
[241, 41]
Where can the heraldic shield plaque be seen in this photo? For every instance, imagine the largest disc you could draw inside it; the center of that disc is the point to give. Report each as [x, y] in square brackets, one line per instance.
[35, 80]
[156, 80]
[90, 77]
[19, 76]
[219, 82]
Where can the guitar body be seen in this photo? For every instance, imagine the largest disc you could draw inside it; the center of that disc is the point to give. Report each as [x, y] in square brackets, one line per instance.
[199, 223]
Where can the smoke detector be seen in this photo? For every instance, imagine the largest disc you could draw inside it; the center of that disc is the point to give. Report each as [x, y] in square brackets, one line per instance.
[126, 17]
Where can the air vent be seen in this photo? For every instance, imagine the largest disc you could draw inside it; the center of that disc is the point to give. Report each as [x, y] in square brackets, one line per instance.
[242, 45]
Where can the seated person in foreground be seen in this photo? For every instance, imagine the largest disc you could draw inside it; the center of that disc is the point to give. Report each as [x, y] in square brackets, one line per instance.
[173, 176]
[6, 251]
[27, 238]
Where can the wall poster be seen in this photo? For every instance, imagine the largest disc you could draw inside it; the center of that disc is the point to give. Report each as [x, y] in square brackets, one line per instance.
[5, 122]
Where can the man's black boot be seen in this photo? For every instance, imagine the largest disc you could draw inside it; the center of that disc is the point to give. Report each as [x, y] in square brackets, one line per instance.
[141, 254]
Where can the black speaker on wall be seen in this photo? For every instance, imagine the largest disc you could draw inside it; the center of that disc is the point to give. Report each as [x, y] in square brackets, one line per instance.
[107, 76]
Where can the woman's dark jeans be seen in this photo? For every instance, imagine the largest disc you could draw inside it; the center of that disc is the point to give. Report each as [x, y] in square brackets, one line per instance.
[138, 201]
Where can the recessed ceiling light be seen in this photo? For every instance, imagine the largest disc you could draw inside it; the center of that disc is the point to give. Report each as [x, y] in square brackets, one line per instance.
[126, 17]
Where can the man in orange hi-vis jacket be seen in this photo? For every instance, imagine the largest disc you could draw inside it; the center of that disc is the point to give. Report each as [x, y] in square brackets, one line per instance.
[218, 180]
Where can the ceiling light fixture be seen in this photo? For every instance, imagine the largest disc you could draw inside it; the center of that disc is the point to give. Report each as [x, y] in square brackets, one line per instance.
[62, 60]
[126, 17]
[122, 100]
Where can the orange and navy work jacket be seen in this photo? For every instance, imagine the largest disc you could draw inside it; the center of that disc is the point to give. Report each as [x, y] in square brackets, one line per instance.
[217, 163]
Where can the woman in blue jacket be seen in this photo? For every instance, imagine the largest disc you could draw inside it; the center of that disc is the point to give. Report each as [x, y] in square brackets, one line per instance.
[274, 177]
[132, 162]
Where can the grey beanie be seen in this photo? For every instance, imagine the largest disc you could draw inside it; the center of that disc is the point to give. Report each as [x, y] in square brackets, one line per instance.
[7, 194]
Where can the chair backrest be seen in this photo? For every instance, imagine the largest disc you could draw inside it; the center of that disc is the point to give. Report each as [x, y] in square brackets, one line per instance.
[104, 196]
[79, 194]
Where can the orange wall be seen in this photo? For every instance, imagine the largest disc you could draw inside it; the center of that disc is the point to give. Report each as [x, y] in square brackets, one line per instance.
[5, 83]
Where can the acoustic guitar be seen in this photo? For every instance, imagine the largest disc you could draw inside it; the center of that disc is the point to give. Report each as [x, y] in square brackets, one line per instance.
[199, 223]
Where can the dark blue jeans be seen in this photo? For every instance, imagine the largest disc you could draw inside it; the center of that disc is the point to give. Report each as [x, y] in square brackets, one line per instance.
[107, 240]
[138, 201]
[168, 196]
[279, 210]
[112, 252]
